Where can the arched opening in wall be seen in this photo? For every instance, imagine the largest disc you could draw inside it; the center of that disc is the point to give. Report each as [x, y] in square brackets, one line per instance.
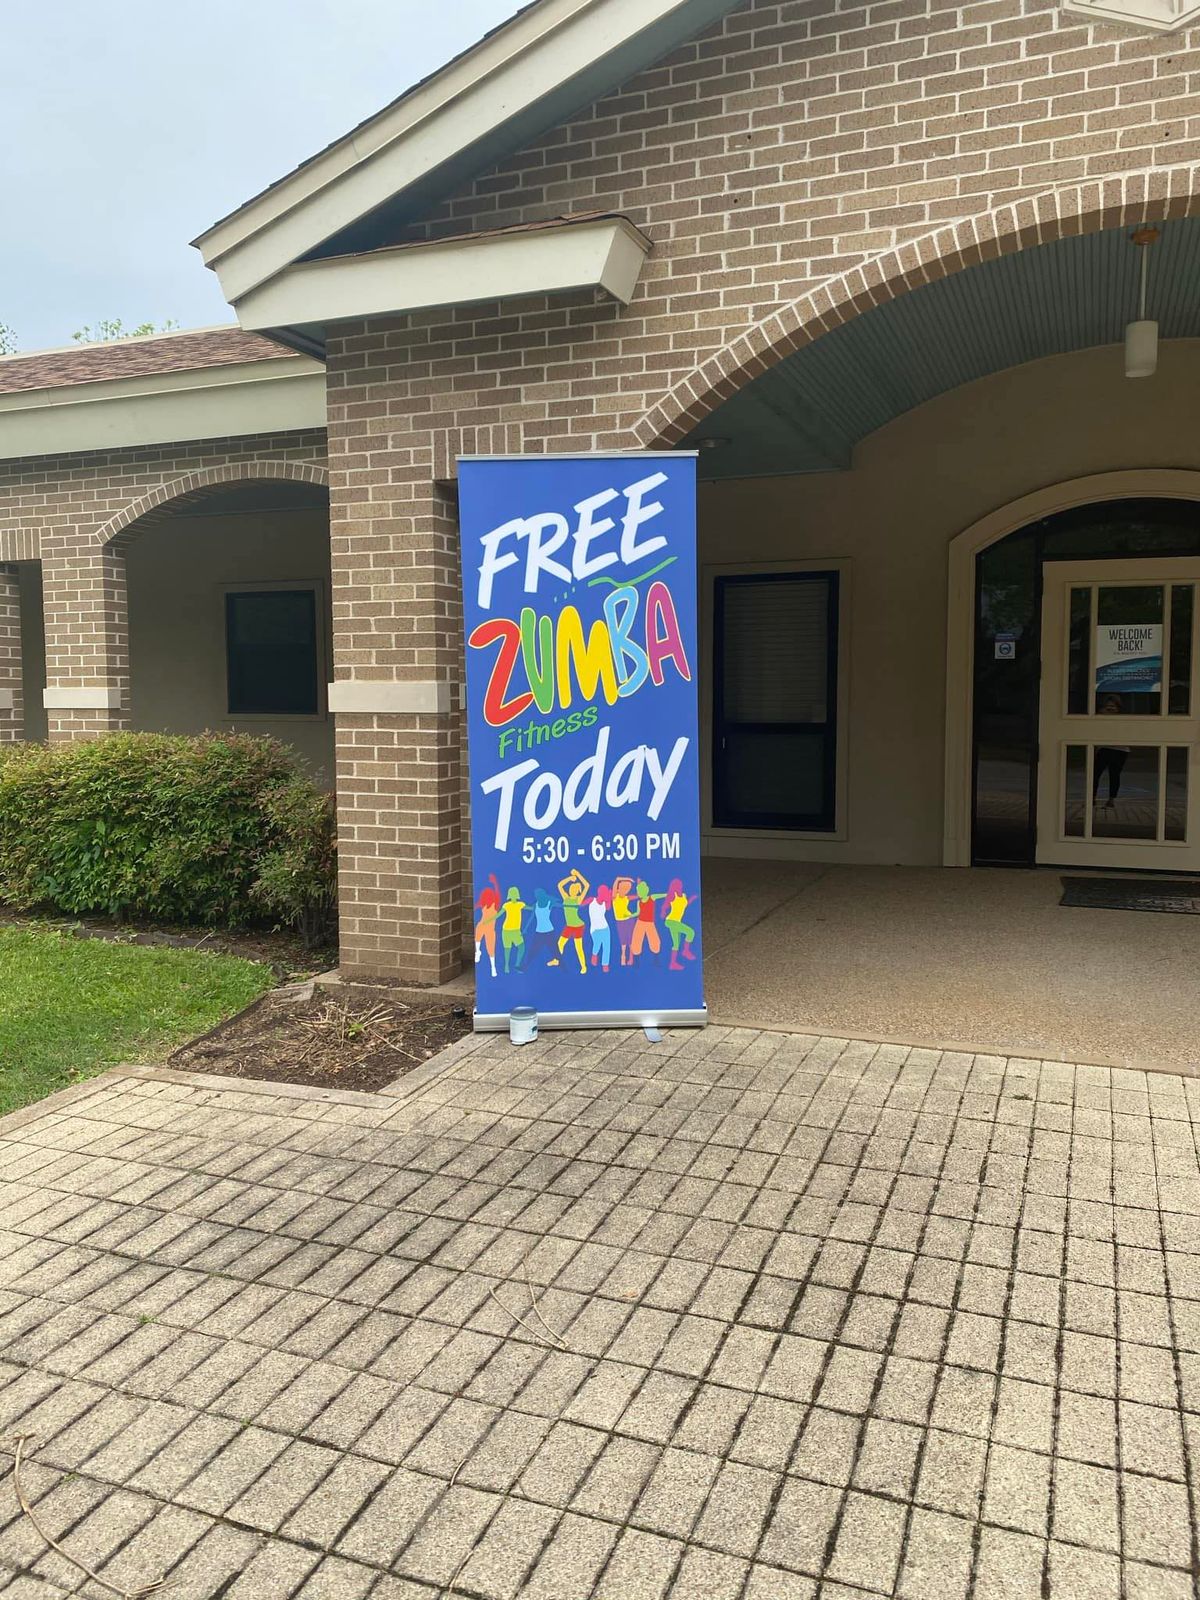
[833, 485]
[230, 616]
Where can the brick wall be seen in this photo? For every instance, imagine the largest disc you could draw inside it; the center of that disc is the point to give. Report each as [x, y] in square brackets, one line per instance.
[77, 513]
[792, 166]
[795, 142]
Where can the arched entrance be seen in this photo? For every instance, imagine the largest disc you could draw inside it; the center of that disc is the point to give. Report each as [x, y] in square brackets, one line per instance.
[1072, 614]
[1056, 216]
[229, 620]
[848, 463]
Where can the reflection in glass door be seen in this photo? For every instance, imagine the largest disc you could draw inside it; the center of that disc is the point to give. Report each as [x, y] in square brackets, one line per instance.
[1120, 715]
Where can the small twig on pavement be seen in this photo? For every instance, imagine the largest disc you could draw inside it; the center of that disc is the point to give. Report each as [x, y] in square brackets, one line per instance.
[448, 1589]
[539, 1337]
[23, 1502]
[533, 1306]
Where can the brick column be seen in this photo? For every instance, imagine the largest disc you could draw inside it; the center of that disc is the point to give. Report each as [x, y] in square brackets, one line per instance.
[87, 641]
[397, 669]
[12, 705]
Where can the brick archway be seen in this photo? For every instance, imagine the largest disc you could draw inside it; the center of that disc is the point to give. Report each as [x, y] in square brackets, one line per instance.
[1153, 195]
[119, 531]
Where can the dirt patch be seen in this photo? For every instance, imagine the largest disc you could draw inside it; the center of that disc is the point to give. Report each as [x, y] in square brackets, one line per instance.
[352, 1039]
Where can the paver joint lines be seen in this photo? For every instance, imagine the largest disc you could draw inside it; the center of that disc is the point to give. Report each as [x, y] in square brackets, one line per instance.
[777, 1315]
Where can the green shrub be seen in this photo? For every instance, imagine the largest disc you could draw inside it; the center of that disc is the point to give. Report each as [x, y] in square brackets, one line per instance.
[161, 826]
[297, 873]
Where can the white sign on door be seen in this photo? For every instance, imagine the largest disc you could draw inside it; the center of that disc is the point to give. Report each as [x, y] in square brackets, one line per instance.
[1129, 658]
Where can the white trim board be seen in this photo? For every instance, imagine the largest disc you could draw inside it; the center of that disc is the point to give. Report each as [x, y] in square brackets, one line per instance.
[82, 697]
[391, 697]
[603, 253]
[281, 394]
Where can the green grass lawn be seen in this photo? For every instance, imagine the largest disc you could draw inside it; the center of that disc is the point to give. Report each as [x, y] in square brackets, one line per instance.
[69, 1007]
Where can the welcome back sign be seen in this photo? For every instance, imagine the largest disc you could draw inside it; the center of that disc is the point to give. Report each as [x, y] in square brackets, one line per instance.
[579, 592]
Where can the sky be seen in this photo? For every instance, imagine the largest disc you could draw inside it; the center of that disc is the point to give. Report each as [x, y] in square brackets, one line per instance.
[127, 127]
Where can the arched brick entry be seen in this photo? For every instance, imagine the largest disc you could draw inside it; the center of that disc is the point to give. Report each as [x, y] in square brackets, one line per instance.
[1154, 195]
[168, 498]
[87, 622]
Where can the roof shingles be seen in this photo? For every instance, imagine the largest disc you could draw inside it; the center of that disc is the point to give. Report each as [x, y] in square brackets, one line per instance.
[136, 358]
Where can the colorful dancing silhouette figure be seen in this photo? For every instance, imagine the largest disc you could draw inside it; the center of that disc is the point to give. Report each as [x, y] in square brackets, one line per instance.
[543, 939]
[598, 908]
[644, 930]
[624, 915]
[573, 888]
[512, 935]
[677, 904]
[488, 906]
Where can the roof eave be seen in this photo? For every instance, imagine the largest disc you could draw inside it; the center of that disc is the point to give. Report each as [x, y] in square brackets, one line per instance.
[530, 74]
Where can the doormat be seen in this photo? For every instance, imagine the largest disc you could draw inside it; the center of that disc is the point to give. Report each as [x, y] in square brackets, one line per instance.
[1133, 894]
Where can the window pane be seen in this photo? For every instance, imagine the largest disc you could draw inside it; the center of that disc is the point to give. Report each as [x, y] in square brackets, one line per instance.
[1129, 646]
[1182, 609]
[272, 648]
[1124, 528]
[1125, 792]
[773, 773]
[776, 649]
[1075, 793]
[1079, 660]
[776, 702]
[1176, 801]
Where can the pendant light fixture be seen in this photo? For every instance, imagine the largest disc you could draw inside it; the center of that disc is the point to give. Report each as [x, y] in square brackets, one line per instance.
[1141, 337]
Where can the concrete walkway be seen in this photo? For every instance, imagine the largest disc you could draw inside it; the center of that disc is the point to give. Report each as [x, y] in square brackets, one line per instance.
[738, 1316]
[975, 959]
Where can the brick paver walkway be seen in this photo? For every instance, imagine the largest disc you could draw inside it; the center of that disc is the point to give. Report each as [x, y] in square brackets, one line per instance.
[812, 1318]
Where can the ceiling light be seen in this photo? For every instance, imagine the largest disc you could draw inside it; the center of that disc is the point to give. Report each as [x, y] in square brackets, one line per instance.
[1141, 337]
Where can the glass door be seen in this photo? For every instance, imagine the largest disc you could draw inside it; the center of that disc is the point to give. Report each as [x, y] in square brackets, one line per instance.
[1120, 715]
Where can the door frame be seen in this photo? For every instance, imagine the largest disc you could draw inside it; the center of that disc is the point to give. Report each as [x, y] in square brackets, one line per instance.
[1053, 848]
[1131, 484]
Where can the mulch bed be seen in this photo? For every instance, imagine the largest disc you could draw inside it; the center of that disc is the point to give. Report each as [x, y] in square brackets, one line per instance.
[345, 1038]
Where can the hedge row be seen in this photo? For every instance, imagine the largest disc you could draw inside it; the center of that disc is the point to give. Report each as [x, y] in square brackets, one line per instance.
[216, 830]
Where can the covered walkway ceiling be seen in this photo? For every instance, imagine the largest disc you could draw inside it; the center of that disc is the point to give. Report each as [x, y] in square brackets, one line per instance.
[807, 413]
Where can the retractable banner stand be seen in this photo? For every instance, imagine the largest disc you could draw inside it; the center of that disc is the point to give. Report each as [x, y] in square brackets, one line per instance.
[579, 581]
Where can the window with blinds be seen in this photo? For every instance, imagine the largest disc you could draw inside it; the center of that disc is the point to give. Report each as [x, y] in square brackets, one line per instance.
[775, 700]
[271, 652]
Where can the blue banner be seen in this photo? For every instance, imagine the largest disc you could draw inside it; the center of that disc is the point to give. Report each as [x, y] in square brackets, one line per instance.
[579, 588]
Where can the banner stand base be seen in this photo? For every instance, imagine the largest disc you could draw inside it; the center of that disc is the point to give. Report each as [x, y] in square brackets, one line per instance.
[497, 1021]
